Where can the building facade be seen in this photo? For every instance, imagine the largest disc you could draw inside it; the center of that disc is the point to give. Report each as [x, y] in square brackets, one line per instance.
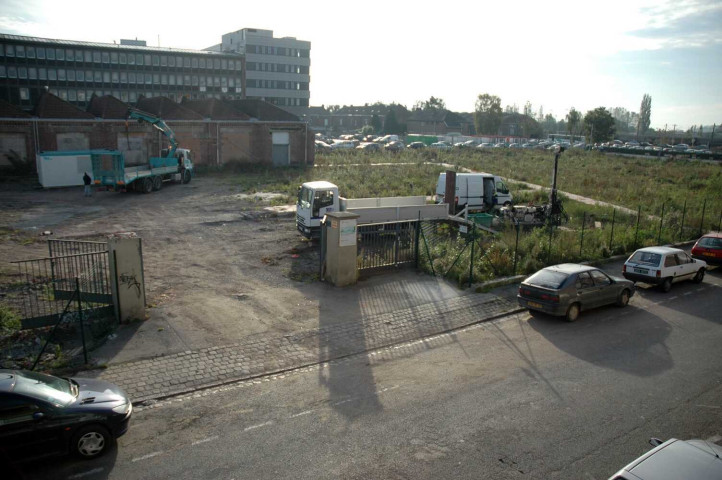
[75, 71]
[277, 69]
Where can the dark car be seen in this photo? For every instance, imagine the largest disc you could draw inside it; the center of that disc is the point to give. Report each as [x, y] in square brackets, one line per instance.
[42, 415]
[569, 288]
[709, 248]
[416, 145]
[395, 146]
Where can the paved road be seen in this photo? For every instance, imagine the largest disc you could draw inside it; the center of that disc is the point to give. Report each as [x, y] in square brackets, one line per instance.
[520, 397]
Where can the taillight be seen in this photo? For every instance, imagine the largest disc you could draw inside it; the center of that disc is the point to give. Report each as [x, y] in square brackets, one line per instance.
[658, 274]
[624, 269]
[551, 298]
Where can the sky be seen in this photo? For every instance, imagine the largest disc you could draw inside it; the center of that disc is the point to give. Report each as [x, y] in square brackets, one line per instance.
[555, 54]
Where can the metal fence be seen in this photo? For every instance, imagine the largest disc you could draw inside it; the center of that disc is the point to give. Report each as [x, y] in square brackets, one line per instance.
[386, 245]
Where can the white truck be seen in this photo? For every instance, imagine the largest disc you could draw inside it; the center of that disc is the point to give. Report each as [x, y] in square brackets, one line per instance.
[476, 191]
[316, 199]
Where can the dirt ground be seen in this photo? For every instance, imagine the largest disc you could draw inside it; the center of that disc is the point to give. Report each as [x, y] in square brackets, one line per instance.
[219, 265]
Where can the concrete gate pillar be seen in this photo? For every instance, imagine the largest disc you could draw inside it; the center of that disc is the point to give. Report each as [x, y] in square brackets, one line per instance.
[341, 250]
[126, 276]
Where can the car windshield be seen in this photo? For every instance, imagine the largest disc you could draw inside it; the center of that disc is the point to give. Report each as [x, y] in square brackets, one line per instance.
[710, 242]
[646, 258]
[547, 279]
[47, 388]
[305, 197]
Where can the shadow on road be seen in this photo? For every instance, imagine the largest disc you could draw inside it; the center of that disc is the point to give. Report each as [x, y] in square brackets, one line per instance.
[69, 467]
[633, 342]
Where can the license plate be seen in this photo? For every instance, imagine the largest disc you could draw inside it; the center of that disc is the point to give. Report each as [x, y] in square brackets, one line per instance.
[641, 270]
[534, 304]
[708, 254]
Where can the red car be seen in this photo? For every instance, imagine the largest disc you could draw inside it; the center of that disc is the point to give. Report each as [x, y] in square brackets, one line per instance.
[709, 248]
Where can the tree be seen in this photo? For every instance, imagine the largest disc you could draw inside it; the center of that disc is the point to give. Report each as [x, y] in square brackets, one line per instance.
[573, 119]
[368, 130]
[540, 116]
[645, 113]
[391, 125]
[487, 114]
[599, 125]
[432, 103]
[549, 124]
[528, 111]
[376, 123]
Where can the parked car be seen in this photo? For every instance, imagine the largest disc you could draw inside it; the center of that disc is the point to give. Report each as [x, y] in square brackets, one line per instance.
[675, 460]
[663, 266]
[440, 145]
[484, 145]
[369, 147]
[709, 248]
[42, 415]
[343, 145]
[322, 146]
[394, 146]
[567, 289]
[416, 145]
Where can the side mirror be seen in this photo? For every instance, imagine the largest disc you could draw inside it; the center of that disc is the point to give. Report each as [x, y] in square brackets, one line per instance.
[655, 442]
[38, 416]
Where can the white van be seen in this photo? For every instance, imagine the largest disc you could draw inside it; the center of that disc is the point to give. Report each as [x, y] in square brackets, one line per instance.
[482, 191]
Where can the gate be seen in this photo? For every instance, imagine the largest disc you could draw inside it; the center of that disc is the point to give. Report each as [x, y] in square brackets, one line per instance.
[387, 245]
[46, 285]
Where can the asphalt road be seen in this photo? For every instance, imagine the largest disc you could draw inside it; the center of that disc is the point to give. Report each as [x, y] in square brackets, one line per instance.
[521, 397]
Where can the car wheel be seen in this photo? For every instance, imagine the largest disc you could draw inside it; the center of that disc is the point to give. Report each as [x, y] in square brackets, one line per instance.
[91, 441]
[699, 277]
[666, 285]
[572, 312]
[147, 185]
[186, 176]
[157, 183]
[623, 299]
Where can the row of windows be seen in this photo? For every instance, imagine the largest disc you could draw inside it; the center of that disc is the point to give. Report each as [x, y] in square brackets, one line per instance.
[122, 58]
[69, 75]
[276, 67]
[283, 101]
[73, 95]
[283, 51]
[278, 84]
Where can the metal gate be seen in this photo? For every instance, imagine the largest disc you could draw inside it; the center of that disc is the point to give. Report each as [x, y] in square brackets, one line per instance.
[46, 285]
[387, 245]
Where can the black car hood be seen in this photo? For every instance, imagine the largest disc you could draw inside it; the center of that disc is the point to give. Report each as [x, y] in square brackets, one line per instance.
[94, 391]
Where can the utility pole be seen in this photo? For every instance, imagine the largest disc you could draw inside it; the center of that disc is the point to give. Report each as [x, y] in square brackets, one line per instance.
[711, 135]
[674, 135]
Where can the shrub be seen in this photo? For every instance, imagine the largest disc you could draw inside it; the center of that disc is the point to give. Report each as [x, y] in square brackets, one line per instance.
[9, 320]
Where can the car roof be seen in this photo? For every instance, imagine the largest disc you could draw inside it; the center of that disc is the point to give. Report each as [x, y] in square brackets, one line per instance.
[570, 268]
[660, 250]
[7, 380]
[712, 235]
[680, 459]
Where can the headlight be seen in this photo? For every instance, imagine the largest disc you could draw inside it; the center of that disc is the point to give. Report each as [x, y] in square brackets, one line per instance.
[123, 409]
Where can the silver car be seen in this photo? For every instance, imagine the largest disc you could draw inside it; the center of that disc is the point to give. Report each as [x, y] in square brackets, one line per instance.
[567, 289]
[675, 460]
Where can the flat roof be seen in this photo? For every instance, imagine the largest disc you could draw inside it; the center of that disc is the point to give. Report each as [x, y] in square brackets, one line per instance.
[117, 46]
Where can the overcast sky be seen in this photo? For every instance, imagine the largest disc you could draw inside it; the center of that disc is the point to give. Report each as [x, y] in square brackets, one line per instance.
[554, 53]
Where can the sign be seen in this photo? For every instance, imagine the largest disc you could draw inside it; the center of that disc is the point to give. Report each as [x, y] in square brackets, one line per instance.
[463, 228]
[347, 233]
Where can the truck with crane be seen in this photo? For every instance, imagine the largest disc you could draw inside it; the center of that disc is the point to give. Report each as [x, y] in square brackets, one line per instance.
[175, 164]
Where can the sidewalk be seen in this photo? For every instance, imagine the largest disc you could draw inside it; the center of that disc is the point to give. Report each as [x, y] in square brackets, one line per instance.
[261, 354]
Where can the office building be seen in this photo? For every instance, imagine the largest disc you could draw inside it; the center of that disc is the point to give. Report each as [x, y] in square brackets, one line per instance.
[277, 69]
[75, 71]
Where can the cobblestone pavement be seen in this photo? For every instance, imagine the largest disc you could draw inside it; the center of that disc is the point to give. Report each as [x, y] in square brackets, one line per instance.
[260, 355]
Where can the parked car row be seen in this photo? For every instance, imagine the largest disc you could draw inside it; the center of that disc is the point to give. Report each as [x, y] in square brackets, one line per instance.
[646, 148]
[568, 289]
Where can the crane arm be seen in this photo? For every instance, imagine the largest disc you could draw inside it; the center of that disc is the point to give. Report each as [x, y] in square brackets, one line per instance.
[141, 116]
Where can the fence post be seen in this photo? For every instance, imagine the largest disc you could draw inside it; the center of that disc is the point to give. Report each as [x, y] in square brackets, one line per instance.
[661, 220]
[681, 226]
[701, 222]
[471, 257]
[581, 242]
[611, 237]
[80, 316]
[416, 242]
[516, 245]
[636, 232]
[549, 251]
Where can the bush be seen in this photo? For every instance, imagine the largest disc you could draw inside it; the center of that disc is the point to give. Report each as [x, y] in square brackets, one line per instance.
[9, 320]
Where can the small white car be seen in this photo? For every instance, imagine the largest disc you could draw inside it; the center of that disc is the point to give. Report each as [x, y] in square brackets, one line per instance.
[663, 266]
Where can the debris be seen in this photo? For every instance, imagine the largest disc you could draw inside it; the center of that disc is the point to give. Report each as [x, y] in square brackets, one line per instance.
[46, 232]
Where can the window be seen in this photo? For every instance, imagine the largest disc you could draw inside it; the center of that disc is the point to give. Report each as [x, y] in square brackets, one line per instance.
[501, 188]
[124, 96]
[171, 61]
[216, 63]
[224, 64]
[202, 63]
[156, 60]
[9, 50]
[682, 258]
[72, 95]
[22, 72]
[32, 73]
[63, 94]
[80, 75]
[194, 62]
[88, 56]
[239, 65]
[216, 82]
[71, 75]
[133, 97]
[164, 79]
[156, 79]
[231, 82]
[670, 261]
[114, 77]
[106, 57]
[171, 79]
[20, 51]
[148, 79]
[131, 59]
[51, 53]
[97, 77]
[41, 53]
[60, 54]
[96, 57]
[24, 94]
[164, 60]
[186, 62]
[194, 80]
[42, 74]
[78, 55]
[202, 81]
[88, 75]
[138, 59]
[187, 80]
[106, 77]
[81, 95]
[123, 77]
[224, 82]
[123, 58]
[600, 278]
[231, 65]
[179, 79]
[70, 55]
[52, 74]
[146, 60]
[113, 57]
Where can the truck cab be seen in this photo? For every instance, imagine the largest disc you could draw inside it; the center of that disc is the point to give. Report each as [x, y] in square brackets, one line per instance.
[315, 200]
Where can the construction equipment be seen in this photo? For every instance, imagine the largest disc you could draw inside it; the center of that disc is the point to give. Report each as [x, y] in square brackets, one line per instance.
[109, 167]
